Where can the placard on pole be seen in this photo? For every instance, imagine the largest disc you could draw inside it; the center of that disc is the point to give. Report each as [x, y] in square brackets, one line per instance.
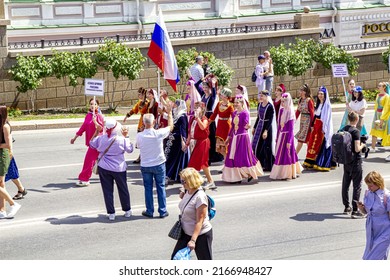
[340, 71]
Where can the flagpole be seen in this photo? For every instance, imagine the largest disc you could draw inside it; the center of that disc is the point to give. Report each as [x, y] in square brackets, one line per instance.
[158, 82]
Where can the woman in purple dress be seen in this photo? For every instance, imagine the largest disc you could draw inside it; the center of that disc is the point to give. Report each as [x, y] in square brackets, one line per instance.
[286, 164]
[240, 161]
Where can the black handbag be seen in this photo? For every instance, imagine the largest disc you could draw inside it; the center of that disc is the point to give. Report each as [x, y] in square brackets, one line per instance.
[176, 230]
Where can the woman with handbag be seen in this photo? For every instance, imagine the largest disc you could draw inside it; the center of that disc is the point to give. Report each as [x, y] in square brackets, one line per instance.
[112, 164]
[197, 232]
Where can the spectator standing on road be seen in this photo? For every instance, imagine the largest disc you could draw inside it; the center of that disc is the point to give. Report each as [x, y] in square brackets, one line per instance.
[264, 131]
[197, 232]
[358, 105]
[306, 110]
[377, 207]
[261, 73]
[240, 160]
[196, 70]
[112, 164]
[380, 123]
[353, 171]
[279, 90]
[5, 158]
[150, 142]
[89, 128]
[199, 143]
[176, 151]
[269, 80]
[286, 164]
[319, 149]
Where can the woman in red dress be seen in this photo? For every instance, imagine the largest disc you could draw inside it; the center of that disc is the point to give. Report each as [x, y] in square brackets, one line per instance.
[199, 143]
[224, 111]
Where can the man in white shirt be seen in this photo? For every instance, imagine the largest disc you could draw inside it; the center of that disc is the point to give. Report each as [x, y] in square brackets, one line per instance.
[196, 70]
[150, 143]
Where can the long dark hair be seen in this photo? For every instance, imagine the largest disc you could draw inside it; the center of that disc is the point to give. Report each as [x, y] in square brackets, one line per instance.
[307, 91]
[318, 102]
[3, 120]
[360, 97]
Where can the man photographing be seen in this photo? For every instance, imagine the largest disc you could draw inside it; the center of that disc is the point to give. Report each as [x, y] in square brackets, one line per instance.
[353, 171]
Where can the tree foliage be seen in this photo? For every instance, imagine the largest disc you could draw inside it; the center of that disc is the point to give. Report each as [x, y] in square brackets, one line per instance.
[122, 62]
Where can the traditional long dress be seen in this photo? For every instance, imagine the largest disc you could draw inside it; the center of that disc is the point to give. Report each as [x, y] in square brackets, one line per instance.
[306, 110]
[224, 124]
[240, 161]
[140, 107]
[286, 165]
[177, 160]
[199, 145]
[344, 121]
[262, 148]
[277, 107]
[319, 153]
[382, 112]
[377, 225]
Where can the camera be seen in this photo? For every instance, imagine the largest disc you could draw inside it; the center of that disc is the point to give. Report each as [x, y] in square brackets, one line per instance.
[365, 150]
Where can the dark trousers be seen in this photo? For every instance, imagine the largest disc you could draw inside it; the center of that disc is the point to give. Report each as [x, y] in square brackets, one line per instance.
[352, 172]
[107, 179]
[203, 245]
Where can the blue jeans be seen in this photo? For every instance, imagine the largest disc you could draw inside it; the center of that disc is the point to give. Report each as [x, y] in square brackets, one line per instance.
[268, 83]
[158, 173]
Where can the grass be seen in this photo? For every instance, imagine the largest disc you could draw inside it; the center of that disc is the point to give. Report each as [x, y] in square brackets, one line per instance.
[53, 116]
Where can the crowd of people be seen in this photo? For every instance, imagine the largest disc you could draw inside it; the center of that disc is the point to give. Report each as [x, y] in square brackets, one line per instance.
[179, 138]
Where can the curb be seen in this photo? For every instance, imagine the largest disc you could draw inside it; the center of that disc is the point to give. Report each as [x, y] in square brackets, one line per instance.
[76, 123]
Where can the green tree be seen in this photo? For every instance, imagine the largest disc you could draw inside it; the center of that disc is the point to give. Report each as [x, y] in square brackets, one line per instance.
[29, 71]
[122, 62]
[385, 57]
[73, 68]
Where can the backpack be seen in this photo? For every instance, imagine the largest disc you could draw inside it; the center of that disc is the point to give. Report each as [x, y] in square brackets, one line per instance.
[211, 207]
[342, 147]
[254, 76]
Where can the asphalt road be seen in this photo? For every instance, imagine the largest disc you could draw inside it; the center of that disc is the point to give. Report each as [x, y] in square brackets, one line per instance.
[265, 220]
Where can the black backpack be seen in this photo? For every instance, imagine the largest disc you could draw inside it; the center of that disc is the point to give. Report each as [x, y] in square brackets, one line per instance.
[342, 147]
[254, 77]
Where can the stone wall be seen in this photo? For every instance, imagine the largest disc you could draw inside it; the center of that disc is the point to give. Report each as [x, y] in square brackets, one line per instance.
[238, 51]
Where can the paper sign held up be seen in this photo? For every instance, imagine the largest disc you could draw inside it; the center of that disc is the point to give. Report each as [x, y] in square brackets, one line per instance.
[94, 87]
[340, 70]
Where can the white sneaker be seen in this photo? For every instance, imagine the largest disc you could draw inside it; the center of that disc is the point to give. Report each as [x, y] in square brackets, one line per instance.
[373, 150]
[128, 214]
[13, 210]
[111, 217]
[210, 186]
[387, 158]
[82, 183]
[3, 215]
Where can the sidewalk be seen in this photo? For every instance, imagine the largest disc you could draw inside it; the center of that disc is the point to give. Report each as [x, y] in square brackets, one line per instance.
[75, 123]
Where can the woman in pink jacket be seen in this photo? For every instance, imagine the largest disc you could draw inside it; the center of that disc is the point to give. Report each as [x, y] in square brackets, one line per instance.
[89, 128]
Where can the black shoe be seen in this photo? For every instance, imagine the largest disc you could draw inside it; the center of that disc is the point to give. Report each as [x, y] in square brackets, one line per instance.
[166, 214]
[347, 210]
[250, 178]
[357, 215]
[146, 214]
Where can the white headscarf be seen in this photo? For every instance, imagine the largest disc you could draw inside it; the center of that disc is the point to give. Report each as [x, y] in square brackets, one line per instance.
[288, 111]
[180, 110]
[326, 117]
[113, 127]
[194, 95]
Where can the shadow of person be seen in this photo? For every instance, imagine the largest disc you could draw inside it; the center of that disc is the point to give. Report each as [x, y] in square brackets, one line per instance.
[101, 218]
[59, 186]
[318, 217]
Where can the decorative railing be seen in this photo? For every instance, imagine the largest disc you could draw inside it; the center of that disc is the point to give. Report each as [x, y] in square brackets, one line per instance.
[365, 45]
[81, 41]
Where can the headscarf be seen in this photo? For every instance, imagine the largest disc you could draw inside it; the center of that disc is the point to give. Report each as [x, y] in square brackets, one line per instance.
[112, 127]
[326, 117]
[288, 111]
[194, 95]
[244, 92]
[180, 110]
[283, 87]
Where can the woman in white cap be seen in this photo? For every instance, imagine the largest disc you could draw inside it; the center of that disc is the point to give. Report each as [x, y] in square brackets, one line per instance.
[112, 164]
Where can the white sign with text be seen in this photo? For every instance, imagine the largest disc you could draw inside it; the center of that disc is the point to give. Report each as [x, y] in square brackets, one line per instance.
[94, 87]
[340, 70]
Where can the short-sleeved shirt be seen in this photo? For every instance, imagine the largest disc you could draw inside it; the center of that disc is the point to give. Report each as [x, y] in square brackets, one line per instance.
[358, 105]
[150, 143]
[355, 137]
[188, 219]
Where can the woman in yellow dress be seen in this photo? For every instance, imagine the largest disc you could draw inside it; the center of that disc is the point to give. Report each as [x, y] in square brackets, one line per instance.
[380, 123]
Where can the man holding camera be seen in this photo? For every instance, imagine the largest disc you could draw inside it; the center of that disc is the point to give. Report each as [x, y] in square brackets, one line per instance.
[353, 171]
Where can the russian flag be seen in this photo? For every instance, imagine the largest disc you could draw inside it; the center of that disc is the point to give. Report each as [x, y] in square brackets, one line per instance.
[161, 53]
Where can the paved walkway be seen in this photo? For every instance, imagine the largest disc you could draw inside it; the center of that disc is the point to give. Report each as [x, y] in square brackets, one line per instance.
[74, 123]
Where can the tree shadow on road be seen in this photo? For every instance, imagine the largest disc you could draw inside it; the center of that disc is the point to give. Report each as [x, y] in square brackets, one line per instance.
[80, 220]
[319, 217]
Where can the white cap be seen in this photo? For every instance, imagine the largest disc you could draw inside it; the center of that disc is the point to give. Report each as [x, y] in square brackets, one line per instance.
[110, 123]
